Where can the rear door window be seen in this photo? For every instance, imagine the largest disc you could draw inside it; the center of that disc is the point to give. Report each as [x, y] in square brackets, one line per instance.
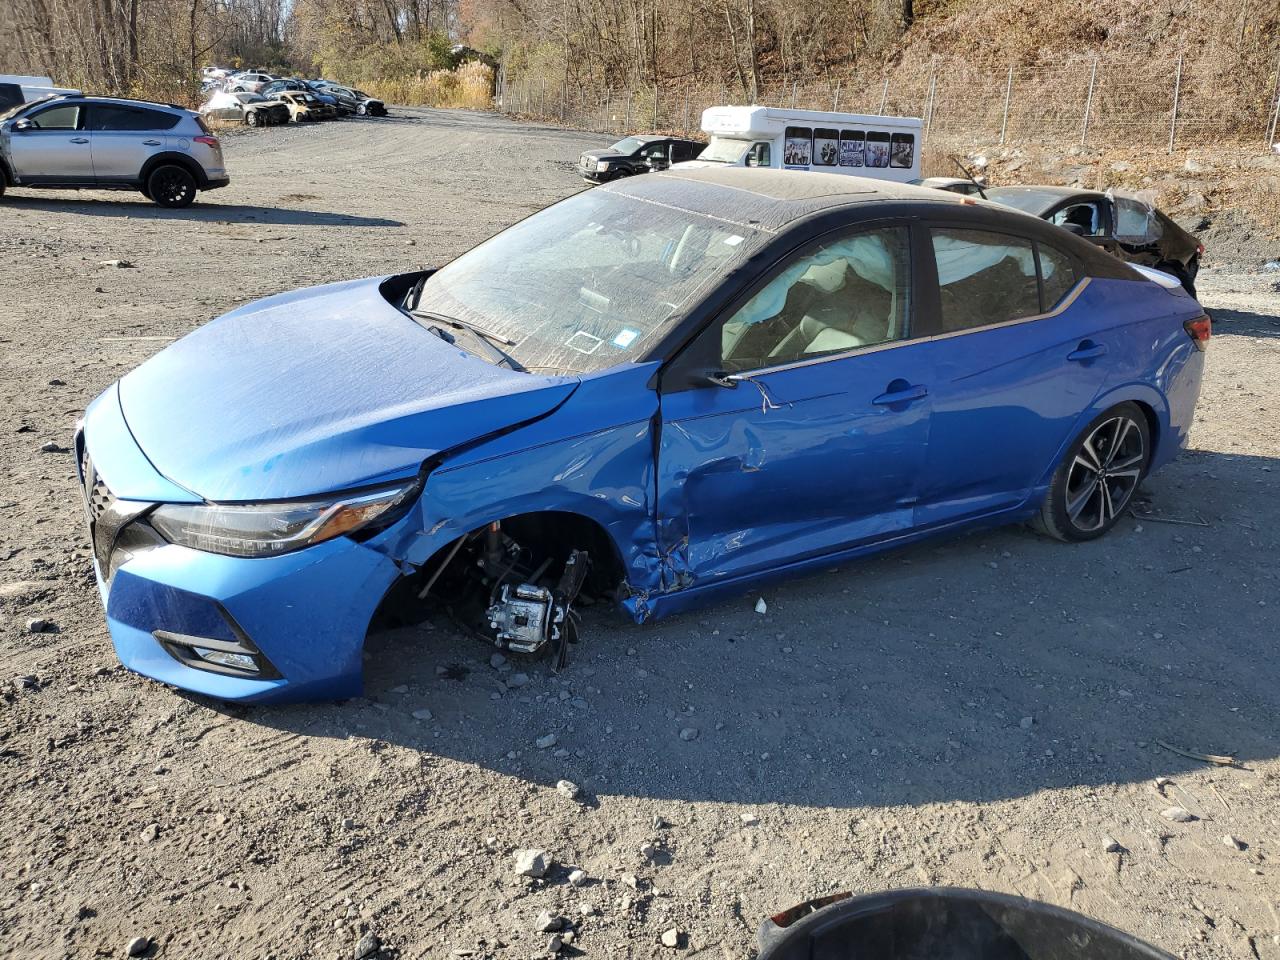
[984, 278]
[114, 118]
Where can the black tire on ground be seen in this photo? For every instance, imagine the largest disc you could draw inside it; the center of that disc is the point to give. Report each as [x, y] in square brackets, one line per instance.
[252, 118]
[4, 181]
[171, 186]
[1096, 481]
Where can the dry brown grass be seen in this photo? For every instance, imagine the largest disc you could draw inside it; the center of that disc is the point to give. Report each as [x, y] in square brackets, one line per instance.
[470, 86]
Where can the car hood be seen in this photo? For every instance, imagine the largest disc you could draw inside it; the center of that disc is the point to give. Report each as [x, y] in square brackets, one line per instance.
[606, 155]
[318, 390]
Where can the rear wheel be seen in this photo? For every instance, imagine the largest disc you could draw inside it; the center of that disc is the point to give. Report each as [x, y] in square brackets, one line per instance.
[252, 118]
[1097, 479]
[171, 186]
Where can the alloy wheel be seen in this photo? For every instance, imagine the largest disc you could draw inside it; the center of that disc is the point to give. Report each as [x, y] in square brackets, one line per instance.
[1105, 473]
[170, 187]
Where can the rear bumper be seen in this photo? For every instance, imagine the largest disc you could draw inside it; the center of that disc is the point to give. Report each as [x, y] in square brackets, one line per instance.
[216, 183]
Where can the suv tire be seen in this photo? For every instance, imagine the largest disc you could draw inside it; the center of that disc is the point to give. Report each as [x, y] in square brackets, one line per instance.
[171, 186]
[4, 180]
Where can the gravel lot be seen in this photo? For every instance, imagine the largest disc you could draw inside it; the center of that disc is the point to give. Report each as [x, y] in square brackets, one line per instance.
[985, 712]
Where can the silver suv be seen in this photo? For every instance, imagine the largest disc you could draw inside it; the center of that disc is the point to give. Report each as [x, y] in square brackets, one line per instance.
[164, 151]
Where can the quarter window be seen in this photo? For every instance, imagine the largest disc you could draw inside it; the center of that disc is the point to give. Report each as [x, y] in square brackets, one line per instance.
[1057, 275]
[844, 295]
[984, 278]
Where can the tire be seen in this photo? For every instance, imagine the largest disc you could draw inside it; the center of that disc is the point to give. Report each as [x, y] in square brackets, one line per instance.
[171, 186]
[4, 181]
[361, 110]
[1096, 481]
[252, 118]
[145, 191]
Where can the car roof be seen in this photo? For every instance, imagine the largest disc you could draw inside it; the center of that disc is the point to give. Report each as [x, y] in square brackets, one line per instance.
[119, 101]
[1051, 190]
[801, 191]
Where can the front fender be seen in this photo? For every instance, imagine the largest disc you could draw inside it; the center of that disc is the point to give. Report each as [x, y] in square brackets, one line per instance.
[592, 457]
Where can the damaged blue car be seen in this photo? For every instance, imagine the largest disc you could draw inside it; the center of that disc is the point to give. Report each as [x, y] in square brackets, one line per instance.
[657, 392]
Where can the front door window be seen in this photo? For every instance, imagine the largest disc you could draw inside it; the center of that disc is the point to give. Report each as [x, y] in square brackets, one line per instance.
[845, 295]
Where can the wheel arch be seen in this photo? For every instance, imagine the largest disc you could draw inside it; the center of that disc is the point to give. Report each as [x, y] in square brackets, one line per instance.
[1149, 400]
[556, 531]
[173, 158]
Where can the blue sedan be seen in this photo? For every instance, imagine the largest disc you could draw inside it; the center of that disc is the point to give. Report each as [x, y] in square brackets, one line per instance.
[657, 392]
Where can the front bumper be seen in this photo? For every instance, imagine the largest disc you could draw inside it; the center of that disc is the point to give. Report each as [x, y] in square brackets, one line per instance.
[304, 615]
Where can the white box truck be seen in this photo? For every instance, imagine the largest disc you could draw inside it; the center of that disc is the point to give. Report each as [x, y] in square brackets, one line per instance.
[886, 148]
[15, 90]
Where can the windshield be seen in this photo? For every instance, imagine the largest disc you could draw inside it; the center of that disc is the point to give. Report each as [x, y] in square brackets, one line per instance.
[1026, 199]
[628, 145]
[19, 107]
[724, 150]
[590, 282]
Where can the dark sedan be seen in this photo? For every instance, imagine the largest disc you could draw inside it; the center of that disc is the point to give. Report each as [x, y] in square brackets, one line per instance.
[633, 155]
[1125, 226]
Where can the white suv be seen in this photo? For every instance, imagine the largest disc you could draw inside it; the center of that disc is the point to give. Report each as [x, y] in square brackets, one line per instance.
[164, 151]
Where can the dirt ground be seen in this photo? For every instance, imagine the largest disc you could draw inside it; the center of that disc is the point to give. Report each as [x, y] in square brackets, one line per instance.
[985, 712]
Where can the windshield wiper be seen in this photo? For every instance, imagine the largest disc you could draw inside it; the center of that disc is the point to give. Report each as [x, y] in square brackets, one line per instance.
[487, 337]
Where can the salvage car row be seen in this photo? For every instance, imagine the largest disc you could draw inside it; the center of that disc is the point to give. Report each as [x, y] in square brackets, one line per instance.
[259, 99]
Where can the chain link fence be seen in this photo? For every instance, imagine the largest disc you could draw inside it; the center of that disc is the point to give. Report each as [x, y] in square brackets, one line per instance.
[1089, 101]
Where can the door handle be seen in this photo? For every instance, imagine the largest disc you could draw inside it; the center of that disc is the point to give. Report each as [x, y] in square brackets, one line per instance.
[151, 143]
[1087, 351]
[900, 392]
[79, 139]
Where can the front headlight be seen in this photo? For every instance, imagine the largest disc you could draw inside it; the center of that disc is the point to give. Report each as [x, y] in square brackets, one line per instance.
[602, 167]
[268, 529]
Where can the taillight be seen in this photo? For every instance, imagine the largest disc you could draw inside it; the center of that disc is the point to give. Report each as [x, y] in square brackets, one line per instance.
[1199, 330]
[207, 141]
[1200, 248]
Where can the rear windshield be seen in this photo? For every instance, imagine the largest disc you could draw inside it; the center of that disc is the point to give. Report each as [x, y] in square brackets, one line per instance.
[589, 282]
